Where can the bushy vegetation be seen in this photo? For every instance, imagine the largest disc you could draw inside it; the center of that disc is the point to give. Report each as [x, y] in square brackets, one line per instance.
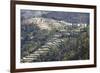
[63, 41]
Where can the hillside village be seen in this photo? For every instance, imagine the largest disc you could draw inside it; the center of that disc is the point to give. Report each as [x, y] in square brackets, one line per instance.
[46, 39]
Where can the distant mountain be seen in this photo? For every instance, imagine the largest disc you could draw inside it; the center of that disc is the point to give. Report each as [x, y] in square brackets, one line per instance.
[71, 17]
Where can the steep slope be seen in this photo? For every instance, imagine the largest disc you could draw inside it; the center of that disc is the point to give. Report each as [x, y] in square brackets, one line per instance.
[45, 39]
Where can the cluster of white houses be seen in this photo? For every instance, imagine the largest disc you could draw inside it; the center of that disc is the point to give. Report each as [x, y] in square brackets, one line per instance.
[74, 24]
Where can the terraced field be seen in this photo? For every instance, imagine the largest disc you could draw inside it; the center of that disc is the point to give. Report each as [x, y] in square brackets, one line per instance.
[51, 40]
